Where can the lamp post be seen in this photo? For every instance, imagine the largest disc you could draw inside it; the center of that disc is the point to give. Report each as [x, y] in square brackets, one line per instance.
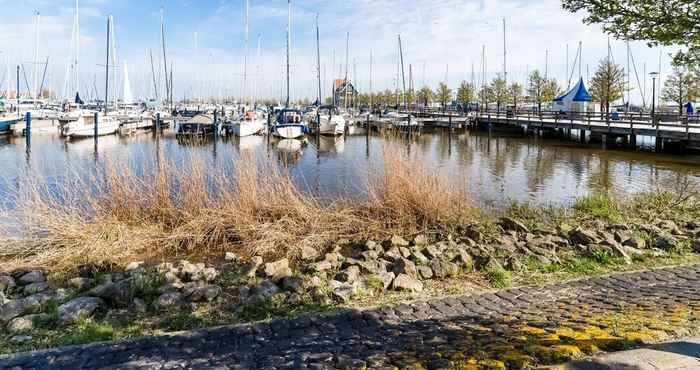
[653, 96]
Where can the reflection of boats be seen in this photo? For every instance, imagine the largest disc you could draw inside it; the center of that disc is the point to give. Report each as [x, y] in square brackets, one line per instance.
[332, 122]
[84, 126]
[356, 130]
[248, 142]
[289, 124]
[289, 145]
[331, 144]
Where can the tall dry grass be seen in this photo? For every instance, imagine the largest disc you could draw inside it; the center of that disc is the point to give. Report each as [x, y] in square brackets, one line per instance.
[119, 216]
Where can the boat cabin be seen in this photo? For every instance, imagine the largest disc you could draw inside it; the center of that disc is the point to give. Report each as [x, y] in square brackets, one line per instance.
[289, 116]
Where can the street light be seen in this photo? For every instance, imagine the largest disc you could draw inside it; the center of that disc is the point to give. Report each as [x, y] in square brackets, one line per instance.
[653, 95]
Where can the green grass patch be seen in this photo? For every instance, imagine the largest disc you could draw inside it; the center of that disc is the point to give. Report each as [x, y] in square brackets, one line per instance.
[600, 205]
[498, 277]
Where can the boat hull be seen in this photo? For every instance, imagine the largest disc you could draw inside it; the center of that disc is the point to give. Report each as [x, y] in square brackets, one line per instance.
[248, 128]
[289, 131]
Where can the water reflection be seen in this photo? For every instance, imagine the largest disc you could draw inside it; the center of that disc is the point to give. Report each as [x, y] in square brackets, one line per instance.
[496, 169]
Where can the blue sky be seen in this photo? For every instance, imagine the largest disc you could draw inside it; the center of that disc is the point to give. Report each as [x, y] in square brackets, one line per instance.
[441, 37]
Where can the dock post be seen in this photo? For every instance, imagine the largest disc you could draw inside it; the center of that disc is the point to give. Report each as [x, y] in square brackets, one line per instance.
[95, 128]
[28, 128]
[157, 125]
[450, 120]
[216, 122]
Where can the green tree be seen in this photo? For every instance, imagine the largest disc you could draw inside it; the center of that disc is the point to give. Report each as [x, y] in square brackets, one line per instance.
[515, 94]
[465, 93]
[443, 94]
[608, 83]
[536, 88]
[425, 96]
[486, 96]
[551, 90]
[668, 22]
[680, 87]
[499, 91]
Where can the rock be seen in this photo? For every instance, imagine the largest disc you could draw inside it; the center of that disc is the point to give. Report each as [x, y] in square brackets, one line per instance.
[370, 255]
[278, 270]
[34, 288]
[80, 283]
[490, 263]
[582, 236]
[208, 274]
[294, 284]
[419, 257]
[623, 235]
[513, 264]
[77, 308]
[372, 245]
[344, 292]
[205, 293]
[34, 276]
[420, 240]
[309, 253]
[314, 282]
[432, 251]
[3, 298]
[408, 283]
[665, 241]
[669, 226]
[405, 252]
[463, 258]
[349, 275]
[7, 283]
[171, 278]
[252, 267]
[696, 246]
[635, 242]
[404, 266]
[231, 257]
[443, 268]
[620, 251]
[188, 271]
[386, 278]
[168, 300]
[263, 290]
[133, 266]
[335, 259]
[425, 272]
[19, 307]
[117, 293]
[393, 254]
[398, 241]
[139, 305]
[24, 324]
[19, 339]
[511, 224]
[320, 266]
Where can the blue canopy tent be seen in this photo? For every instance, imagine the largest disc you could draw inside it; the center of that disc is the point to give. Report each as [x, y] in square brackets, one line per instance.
[573, 101]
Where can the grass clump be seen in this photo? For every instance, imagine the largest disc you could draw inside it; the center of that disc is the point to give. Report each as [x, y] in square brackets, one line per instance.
[498, 277]
[600, 206]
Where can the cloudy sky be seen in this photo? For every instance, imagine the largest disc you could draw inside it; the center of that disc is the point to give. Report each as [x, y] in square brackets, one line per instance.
[442, 40]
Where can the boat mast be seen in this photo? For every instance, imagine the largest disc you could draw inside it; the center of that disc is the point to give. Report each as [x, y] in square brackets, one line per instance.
[505, 68]
[347, 56]
[289, 41]
[245, 57]
[403, 76]
[109, 24]
[318, 61]
[115, 92]
[370, 80]
[35, 73]
[257, 73]
[153, 73]
[165, 61]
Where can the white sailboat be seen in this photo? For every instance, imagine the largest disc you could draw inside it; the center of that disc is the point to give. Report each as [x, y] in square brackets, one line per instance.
[290, 123]
[253, 121]
[84, 126]
[332, 122]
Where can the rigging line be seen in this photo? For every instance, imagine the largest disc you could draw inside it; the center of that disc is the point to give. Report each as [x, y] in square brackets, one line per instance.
[575, 60]
[639, 85]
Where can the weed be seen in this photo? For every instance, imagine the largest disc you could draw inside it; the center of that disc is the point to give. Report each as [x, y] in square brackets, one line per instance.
[599, 205]
[603, 257]
[498, 277]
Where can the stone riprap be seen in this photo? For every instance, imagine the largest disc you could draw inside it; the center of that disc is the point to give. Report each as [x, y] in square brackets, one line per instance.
[513, 328]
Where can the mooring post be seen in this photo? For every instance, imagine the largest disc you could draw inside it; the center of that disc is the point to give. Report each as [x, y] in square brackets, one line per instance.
[28, 128]
[157, 126]
[450, 120]
[95, 126]
[216, 122]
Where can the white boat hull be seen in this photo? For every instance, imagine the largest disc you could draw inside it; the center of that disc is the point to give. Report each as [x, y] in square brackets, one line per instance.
[248, 128]
[334, 126]
[289, 131]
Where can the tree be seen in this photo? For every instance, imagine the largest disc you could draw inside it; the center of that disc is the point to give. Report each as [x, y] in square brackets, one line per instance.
[443, 95]
[668, 22]
[499, 91]
[536, 88]
[551, 90]
[515, 94]
[486, 96]
[608, 83]
[680, 87]
[465, 93]
[425, 96]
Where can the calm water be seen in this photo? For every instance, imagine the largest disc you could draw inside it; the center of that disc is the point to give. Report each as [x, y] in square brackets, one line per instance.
[496, 169]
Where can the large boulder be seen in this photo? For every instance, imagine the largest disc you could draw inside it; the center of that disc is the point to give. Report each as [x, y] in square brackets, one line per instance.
[252, 267]
[407, 283]
[398, 241]
[443, 268]
[405, 266]
[116, 293]
[7, 283]
[349, 275]
[583, 236]
[78, 308]
[309, 254]
[263, 290]
[19, 307]
[168, 300]
[34, 288]
[665, 241]
[80, 283]
[204, 293]
[34, 276]
[25, 324]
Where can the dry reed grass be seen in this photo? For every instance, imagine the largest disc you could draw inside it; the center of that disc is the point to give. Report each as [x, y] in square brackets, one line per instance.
[174, 211]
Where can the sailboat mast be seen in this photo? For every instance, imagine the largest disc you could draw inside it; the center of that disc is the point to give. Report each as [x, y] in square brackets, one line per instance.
[347, 56]
[318, 60]
[162, 43]
[370, 80]
[505, 66]
[153, 73]
[403, 75]
[289, 41]
[109, 24]
[257, 73]
[245, 57]
[35, 73]
[77, 48]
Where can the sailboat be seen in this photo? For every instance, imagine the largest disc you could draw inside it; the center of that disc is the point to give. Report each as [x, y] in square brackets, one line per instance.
[84, 125]
[327, 119]
[253, 121]
[289, 123]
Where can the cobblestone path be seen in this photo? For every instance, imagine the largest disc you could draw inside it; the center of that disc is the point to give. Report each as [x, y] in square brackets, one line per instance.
[513, 328]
